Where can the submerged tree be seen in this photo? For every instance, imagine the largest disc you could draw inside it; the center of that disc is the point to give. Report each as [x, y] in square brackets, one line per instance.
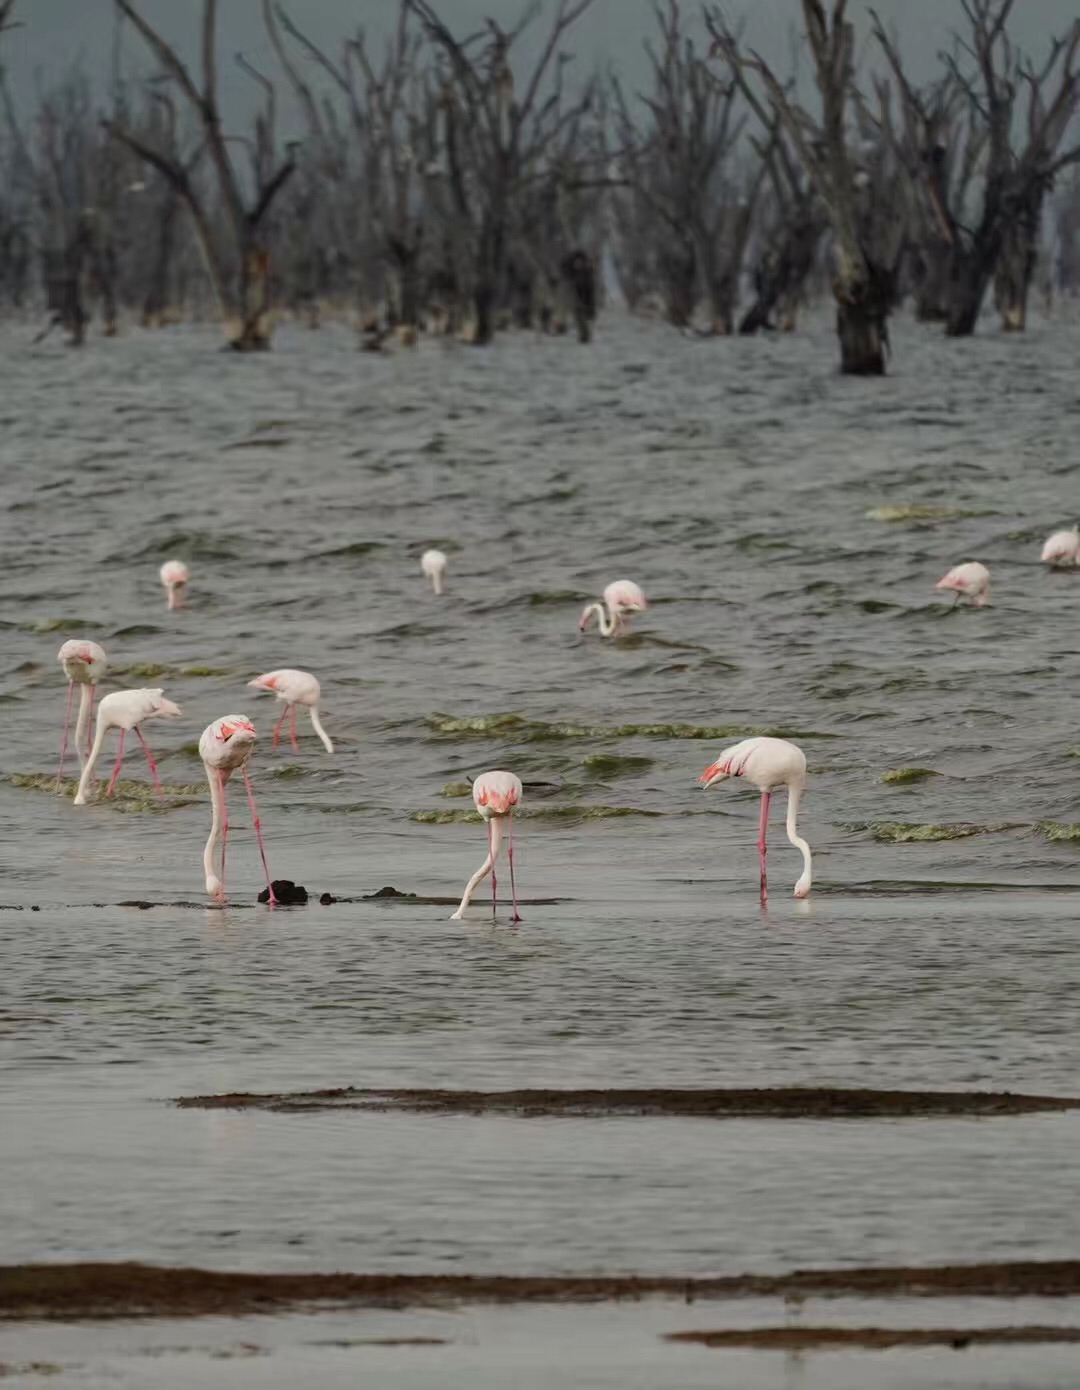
[234, 248]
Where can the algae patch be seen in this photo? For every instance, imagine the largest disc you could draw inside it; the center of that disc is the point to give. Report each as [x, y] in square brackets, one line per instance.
[458, 814]
[904, 776]
[912, 832]
[516, 728]
[127, 796]
[923, 512]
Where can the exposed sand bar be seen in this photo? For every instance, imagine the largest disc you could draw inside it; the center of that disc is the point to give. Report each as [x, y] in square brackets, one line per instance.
[874, 1338]
[130, 1290]
[789, 1102]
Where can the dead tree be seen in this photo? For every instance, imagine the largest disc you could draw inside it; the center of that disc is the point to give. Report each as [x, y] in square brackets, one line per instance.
[1003, 239]
[236, 254]
[494, 140]
[18, 180]
[861, 282]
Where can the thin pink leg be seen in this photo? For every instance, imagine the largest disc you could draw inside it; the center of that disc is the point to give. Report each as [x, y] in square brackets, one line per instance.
[149, 759]
[119, 764]
[277, 726]
[766, 797]
[292, 728]
[491, 856]
[224, 827]
[510, 855]
[90, 722]
[64, 740]
[258, 835]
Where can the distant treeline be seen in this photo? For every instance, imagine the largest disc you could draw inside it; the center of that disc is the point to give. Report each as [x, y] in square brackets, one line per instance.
[442, 186]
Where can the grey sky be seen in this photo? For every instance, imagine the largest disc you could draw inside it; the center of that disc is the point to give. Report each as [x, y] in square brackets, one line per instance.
[56, 33]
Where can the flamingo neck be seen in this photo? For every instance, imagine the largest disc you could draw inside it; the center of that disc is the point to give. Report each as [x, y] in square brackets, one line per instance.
[795, 791]
[95, 753]
[316, 724]
[217, 801]
[495, 830]
[82, 724]
[607, 620]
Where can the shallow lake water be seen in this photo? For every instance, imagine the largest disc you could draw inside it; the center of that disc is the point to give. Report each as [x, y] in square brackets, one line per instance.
[743, 485]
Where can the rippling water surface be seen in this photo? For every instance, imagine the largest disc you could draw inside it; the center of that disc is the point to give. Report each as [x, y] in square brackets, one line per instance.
[763, 503]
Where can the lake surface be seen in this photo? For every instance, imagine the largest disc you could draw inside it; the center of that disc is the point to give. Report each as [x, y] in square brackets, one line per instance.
[742, 484]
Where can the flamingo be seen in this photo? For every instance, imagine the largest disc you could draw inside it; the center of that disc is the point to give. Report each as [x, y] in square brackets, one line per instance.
[433, 565]
[84, 665]
[226, 745]
[124, 710]
[620, 599]
[972, 581]
[175, 575]
[495, 795]
[768, 763]
[1062, 549]
[294, 688]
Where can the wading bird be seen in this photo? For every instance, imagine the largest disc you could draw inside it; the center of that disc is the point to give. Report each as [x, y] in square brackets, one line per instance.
[769, 763]
[124, 710]
[84, 665]
[294, 688]
[175, 575]
[620, 600]
[1062, 549]
[970, 581]
[226, 745]
[495, 795]
[433, 565]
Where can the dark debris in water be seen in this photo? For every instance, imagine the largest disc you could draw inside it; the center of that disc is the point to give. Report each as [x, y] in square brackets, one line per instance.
[286, 892]
[802, 1338]
[65, 1292]
[785, 1102]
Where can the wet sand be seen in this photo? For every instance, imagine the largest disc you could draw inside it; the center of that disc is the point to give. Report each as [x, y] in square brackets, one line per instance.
[790, 1102]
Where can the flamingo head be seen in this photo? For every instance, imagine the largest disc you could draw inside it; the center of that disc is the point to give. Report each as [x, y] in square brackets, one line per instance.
[802, 888]
[242, 730]
[716, 772]
[264, 683]
[586, 614]
[166, 707]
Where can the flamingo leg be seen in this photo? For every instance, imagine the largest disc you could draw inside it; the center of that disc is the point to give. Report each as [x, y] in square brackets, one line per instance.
[224, 831]
[258, 835]
[149, 759]
[292, 728]
[510, 855]
[491, 856]
[64, 740]
[119, 764]
[766, 797]
[277, 726]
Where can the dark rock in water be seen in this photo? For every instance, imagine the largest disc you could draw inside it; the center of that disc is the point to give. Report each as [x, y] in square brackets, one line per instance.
[285, 891]
[327, 899]
[389, 892]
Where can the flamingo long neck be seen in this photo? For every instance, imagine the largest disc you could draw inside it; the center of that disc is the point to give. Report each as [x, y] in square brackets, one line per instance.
[316, 724]
[607, 621]
[795, 791]
[495, 830]
[95, 753]
[82, 724]
[217, 801]
[436, 580]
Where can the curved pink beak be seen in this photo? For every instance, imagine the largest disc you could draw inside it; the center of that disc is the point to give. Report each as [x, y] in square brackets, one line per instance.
[714, 773]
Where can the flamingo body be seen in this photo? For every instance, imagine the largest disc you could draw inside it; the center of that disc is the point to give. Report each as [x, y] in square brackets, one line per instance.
[1062, 549]
[294, 688]
[225, 746]
[84, 665]
[621, 598]
[768, 763]
[174, 575]
[124, 710]
[970, 581]
[433, 566]
[495, 795]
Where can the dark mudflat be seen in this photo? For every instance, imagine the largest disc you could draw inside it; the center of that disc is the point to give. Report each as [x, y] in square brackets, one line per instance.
[792, 1102]
[84, 1291]
[874, 1338]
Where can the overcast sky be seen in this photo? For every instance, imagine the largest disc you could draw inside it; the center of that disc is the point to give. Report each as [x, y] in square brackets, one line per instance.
[57, 33]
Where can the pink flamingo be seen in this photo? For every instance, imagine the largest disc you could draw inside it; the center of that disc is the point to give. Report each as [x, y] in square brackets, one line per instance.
[1062, 549]
[294, 688]
[495, 795]
[226, 745]
[768, 763]
[970, 581]
[620, 599]
[84, 665]
[175, 575]
[124, 710]
[433, 565]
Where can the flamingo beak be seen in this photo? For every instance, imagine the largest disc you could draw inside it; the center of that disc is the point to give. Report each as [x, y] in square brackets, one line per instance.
[167, 707]
[714, 773]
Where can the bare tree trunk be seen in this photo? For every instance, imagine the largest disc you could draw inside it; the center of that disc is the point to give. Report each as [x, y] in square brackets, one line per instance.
[156, 301]
[862, 311]
[1016, 269]
[932, 288]
[578, 272]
